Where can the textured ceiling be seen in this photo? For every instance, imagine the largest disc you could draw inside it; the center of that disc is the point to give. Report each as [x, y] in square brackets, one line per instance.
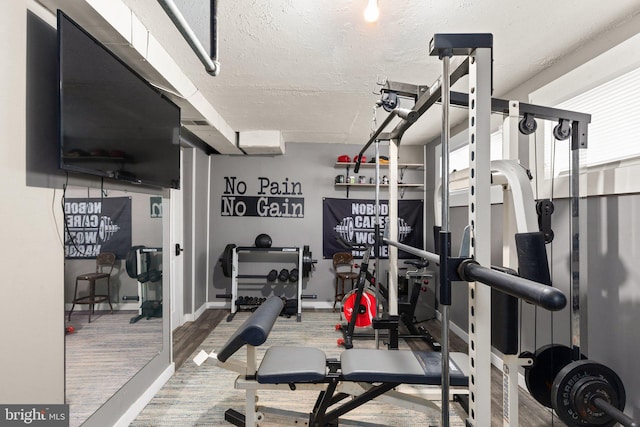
[309, 67]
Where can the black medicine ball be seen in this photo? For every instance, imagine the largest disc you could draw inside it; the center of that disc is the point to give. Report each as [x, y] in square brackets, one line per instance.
[263, 241]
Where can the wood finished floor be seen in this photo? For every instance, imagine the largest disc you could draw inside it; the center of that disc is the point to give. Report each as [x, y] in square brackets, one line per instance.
[190, 335]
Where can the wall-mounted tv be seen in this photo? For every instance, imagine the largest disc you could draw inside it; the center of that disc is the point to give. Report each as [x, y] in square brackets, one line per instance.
[113, 123]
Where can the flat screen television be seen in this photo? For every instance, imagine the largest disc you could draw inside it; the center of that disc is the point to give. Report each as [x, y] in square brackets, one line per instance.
[113, 123]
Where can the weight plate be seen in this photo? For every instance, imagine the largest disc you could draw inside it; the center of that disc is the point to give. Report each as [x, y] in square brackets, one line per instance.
[307, 262]
[366, 310]
[227, 260]
[577, 385]
[132, 261]
[547, 362]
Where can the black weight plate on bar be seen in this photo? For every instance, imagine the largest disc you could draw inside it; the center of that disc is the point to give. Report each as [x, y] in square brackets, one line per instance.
[227, 260]
[307, 262]
[132, 261]
[548, 360]
[575, 387]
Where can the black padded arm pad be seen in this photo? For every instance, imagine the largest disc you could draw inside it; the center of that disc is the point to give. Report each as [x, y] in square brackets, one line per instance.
[532, 257]
[255, 329]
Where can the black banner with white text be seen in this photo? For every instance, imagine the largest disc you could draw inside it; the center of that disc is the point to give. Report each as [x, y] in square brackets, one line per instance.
[354, 221]
[97, 225]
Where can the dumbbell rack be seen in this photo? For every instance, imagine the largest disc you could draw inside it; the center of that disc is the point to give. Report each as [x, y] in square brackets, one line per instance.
[275, 250]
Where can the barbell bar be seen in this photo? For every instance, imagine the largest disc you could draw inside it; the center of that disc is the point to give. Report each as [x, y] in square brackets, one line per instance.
[469, 270]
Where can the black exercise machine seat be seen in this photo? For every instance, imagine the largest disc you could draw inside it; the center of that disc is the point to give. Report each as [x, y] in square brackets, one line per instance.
[406, 367]
[290, 365]
[255, 330]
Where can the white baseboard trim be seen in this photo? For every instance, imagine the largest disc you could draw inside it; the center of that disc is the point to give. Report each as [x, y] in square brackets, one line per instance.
[137, 407]
[305, 304]
[103, 306]
[317, 304]
[218, 304]
[199, 311]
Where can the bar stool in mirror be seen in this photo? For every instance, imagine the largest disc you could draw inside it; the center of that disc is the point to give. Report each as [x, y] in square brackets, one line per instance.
[104, 266]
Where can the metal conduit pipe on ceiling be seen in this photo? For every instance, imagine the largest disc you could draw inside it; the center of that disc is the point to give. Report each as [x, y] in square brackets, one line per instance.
[211, 63]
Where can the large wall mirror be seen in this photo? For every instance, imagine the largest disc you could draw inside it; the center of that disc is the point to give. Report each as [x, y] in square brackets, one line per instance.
[104, 349]
[101, 357]
[112, 360]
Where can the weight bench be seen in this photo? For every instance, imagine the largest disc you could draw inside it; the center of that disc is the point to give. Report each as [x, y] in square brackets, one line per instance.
[362, 374]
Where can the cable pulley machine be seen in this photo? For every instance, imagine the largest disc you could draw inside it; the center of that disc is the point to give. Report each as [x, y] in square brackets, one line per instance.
[598, 399]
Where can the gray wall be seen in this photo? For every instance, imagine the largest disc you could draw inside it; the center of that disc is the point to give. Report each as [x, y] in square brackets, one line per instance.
[32, 303]
[614, 288]
[200, 222]
[187, 187]
[313, 166]
[195, 191]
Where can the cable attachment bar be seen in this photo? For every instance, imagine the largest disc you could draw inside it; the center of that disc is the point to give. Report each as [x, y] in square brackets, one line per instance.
[404, 113]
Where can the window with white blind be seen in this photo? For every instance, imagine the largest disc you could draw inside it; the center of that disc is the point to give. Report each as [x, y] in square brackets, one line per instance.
[607, 87]
[614, 131]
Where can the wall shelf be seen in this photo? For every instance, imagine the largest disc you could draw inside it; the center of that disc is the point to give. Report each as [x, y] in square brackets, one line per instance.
[402, 167]
[373, 165]
[346, 184]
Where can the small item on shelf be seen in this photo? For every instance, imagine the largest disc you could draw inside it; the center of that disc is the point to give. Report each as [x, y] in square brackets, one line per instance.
[384, 160]
[372, 180]
[362, 179]
[385, 180]
[363, 159]
[344, 159]
[352, 179]
[339, 179]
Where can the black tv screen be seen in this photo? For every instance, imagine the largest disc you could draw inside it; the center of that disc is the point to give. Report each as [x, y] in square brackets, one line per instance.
[113, 123]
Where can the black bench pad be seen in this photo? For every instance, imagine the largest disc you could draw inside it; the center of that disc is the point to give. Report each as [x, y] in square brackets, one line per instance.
[397, 366]
[255, 330]
[282, 365]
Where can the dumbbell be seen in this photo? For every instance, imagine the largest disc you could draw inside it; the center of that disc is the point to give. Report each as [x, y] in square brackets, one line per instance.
[284, 275]
[272, 276]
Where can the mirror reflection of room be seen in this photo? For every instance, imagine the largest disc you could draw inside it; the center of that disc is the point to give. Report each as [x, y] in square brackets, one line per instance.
[113, 292]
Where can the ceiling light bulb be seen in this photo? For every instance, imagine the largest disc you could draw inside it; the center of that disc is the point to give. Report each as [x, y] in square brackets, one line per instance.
[371, 13]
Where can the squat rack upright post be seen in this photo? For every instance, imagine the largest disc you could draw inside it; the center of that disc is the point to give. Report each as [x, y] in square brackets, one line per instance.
[476, 50]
